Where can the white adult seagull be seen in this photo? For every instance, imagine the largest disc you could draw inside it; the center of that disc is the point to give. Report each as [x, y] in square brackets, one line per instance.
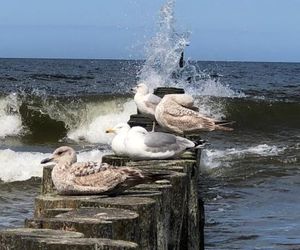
[118, 142]
[146, 102]
[141, 144]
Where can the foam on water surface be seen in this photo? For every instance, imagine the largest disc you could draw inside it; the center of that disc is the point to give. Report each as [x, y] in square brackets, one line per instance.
[94, 129]
[214, 158]
[19, 166]
[10, 120]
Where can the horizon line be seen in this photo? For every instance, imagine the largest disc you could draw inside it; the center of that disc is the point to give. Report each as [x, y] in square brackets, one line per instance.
[130, 59]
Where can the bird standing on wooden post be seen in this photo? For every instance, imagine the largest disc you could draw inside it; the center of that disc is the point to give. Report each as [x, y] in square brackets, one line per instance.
[177, 113]
[72, 177]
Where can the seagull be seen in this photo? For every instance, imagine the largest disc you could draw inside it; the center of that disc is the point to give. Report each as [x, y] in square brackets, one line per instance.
[141, 144]
[146, 102]
[176, 113]
[72, 177]
[117, 144]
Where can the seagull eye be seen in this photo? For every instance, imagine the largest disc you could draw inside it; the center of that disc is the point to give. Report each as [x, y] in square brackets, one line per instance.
[60, 153]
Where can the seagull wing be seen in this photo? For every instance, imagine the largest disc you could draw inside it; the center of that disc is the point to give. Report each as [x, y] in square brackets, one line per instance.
[189, 120]
[185, 100]
[151, 101]
[87, 168]
[103, 178]
[162, 142]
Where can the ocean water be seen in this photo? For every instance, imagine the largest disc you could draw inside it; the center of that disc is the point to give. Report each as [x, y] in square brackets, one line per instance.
[250, 177]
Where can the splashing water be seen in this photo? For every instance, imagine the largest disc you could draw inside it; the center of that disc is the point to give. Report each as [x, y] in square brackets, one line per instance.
[161, 67]
[10, 119]
[164, 50]
[94, 130]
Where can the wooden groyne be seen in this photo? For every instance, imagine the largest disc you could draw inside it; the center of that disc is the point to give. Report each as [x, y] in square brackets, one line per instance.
[161, 215]
[164, 215]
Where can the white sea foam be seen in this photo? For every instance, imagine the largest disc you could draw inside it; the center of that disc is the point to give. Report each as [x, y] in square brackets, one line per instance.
[19, 166]
[10, 125]
[94, 129]
[213, 158]
[10, 120]
[204, 93]
[212, 87]
[92, 155]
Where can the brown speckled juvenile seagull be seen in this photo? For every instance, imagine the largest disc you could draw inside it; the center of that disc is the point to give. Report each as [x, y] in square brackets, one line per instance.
[176, 113]
[71, 177]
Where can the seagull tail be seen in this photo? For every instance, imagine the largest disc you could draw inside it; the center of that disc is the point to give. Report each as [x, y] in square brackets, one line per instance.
[200, 143]
[223, 128]
[222, 123]
[156, 176]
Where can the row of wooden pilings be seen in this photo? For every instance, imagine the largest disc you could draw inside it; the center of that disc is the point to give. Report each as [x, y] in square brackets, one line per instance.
[163, 215]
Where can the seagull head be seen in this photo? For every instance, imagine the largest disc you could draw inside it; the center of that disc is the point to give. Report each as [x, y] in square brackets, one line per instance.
[138, 130]
[62, 154]
[141, 88]
[119, 128]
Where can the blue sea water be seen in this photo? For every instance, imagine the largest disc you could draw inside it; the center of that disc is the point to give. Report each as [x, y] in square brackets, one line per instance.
[249, 181]
[250, 178]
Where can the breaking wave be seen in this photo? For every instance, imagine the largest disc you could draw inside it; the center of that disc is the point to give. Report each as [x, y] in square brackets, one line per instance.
[19, 166]
[10, 119]
[41, 119]
[94, 130]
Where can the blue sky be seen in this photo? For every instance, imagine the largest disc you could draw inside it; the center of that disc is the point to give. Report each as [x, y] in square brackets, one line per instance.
[242, 30]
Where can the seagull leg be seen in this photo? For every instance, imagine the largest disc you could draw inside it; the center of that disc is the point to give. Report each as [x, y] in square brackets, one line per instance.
[153, 126]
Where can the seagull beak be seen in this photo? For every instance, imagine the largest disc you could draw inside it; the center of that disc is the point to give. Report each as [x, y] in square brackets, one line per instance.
[46, 160]
[110, 130]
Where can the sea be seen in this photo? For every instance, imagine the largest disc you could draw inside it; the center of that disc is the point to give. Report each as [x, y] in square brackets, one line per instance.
[250, 177]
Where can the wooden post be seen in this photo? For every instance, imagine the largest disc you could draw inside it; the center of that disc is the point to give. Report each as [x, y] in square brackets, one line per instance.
[145, 207]
[47, 239]
[112, 223]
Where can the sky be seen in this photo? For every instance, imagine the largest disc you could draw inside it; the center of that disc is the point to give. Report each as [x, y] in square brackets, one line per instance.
[226, 30]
